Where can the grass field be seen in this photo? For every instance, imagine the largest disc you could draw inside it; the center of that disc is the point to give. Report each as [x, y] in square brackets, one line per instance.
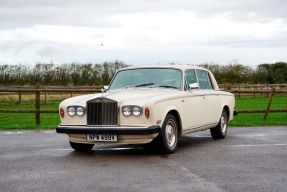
[50, 121]
[256, 119]
[27, 120]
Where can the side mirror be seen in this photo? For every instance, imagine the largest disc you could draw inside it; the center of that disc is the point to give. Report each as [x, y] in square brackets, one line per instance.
[193, 86]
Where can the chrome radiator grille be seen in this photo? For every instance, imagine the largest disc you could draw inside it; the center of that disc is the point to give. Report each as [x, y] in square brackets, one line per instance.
[102, 111]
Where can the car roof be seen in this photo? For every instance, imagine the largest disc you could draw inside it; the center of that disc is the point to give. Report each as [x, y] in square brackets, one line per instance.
[181, 67]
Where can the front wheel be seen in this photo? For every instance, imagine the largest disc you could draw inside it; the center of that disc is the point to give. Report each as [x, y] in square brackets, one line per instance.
[81, 146]
[220, 131]
[167, 139]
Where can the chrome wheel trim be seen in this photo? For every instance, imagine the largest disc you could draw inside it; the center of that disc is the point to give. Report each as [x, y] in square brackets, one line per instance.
[223, 123]
[170, 133]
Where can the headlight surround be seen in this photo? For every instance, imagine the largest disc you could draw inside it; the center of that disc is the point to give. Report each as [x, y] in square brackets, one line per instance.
[76, 110]
[134, 110]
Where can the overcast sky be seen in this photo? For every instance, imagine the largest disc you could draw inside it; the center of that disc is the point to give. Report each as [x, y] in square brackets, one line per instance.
[140, 32]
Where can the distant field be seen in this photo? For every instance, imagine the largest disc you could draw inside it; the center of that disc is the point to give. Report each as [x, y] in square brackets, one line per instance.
[50, 121]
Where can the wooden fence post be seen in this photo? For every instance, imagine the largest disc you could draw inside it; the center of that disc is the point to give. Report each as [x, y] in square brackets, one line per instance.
[72, 94]
[46, 97]
[269, 103]
[37, 104]
[239, 90]
[20, 98]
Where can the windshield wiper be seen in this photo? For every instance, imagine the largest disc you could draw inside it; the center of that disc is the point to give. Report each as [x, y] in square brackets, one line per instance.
[168, 86]
[145, 84]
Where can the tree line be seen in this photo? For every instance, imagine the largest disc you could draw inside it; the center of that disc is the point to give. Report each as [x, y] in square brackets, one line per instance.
[275, 73]
[101, 74]
[64, 74]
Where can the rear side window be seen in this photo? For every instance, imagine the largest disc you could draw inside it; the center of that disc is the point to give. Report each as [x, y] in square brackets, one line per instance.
[203, 80]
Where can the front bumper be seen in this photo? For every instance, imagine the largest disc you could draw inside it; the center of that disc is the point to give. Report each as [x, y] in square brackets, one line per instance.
[113, 130]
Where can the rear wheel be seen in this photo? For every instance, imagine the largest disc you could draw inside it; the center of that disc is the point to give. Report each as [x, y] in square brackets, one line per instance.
[220, 131]
[167, 139]
[81, 146]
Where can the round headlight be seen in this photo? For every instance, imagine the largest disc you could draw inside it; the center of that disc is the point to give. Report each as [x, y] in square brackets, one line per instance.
[71, 111]
[127, 111]
[137, 111]
[80, 111]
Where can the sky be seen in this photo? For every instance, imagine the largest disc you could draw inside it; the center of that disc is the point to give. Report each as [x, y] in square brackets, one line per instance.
[141, 32]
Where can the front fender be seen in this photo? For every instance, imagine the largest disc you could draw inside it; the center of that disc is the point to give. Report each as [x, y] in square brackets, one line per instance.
[161, 111]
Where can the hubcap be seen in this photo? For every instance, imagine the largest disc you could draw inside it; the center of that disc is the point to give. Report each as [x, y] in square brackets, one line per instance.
[170, 133]
[223, 123]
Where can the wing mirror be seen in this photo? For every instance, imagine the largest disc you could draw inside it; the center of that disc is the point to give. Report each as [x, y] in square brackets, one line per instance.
[193, 86]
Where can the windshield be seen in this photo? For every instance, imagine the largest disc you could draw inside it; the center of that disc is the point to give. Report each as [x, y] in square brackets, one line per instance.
[165, 78]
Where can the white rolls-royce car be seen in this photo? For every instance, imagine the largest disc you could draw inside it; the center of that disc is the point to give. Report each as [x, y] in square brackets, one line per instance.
[151, 104]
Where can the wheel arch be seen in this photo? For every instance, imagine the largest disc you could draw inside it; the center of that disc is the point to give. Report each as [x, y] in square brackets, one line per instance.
[226, 108]
[178, 120]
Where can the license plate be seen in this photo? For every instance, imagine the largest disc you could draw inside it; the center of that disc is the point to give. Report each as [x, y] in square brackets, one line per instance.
[96, 137]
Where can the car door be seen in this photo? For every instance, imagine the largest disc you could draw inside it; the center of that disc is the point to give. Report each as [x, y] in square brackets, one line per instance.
[194, 104]
[211, 102]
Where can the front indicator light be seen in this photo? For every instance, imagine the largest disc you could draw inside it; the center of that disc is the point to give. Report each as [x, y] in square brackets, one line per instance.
[62, 113]
[147, 113]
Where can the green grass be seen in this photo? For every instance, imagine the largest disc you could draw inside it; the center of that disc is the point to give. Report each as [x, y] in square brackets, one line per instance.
[51, 120]
[27, 120]
[256, 119]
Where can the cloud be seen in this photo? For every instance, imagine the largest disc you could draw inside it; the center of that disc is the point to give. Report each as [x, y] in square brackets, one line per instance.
[135, 30]
[15, 13]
